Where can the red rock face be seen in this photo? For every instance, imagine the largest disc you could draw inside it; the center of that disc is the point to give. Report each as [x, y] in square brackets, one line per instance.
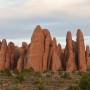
[88, 57]
[20, 64]
[59, 50]
[70, 65]
[3, 54]
[10, 56]
[56, 62]
[21, 61]
[62, 56]
[56, 65]
[76, 54]
[36, 50]
[25, 46]
[81, 51]
[47, 44]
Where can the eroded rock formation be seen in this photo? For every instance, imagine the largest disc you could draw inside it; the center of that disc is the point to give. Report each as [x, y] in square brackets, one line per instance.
[88, 57]
[3, 51]
[81, 51]
[9, 63]
[36, 50]
[70, 59]
[56, 62]
[44, 53]
[47, 44]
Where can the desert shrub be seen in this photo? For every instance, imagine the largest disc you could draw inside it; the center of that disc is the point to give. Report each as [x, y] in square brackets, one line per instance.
[37, 81]
[85, 82]
[24, 73]
[13, 88]
[65, 75]
[41, 87]
[5, 73]
[46, 71]
[19, 79]
[39, 84]
[61, 81]
[73, 88]
[38, 74]
[48, 75]
[60, 72]
[31, 70]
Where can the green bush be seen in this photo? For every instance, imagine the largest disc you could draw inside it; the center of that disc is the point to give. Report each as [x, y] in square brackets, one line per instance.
[85, 82]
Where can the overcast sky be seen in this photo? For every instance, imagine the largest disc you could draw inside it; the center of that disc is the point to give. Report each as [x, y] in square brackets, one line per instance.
[18, 18]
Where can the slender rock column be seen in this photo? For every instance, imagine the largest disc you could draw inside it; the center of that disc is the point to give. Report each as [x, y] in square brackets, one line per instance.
[70, 65]
[81, 51]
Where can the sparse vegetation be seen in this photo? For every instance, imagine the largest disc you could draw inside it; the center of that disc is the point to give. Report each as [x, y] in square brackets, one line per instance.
[44, 80]
[13, 87]
[73, 88]
[5, 73]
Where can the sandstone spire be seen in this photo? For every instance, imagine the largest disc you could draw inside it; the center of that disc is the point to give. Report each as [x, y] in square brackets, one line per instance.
[81, 51]
[21, 61]
[70, 65]
[46, 48]
[3, 54]
[10, 56]
[36, 50]
[56, 62]
[88, 57]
